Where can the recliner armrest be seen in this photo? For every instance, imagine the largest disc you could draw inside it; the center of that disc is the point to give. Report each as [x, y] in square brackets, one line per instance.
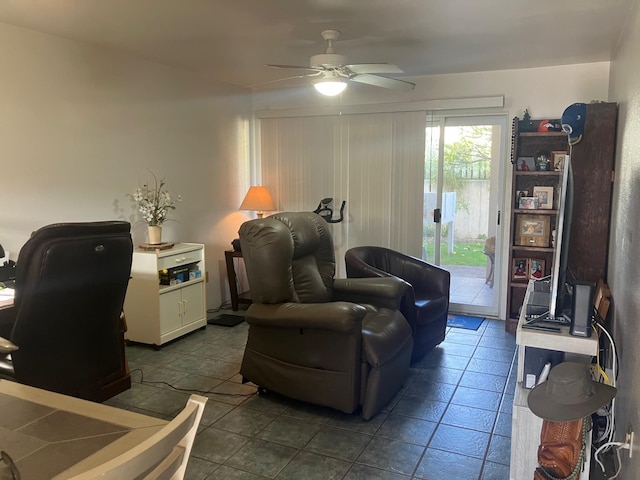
[336, 316]
[7, 346]
[382, 292]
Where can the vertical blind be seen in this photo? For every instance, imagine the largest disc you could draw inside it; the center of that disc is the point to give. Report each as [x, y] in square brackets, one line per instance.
[373, 161]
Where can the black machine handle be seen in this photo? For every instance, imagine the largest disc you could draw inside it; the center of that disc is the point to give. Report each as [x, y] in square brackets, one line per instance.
[326, 212]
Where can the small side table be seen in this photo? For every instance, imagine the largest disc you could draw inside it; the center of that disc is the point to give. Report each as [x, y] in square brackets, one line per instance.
[236, 298]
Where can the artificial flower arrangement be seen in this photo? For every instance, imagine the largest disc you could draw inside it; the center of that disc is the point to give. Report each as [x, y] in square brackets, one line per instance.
[154, 202]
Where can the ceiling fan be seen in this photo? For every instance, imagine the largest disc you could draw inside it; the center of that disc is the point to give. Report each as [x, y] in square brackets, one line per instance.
[333, 71]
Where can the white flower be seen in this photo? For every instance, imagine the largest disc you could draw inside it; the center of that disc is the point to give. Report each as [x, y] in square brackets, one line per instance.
[155, 203]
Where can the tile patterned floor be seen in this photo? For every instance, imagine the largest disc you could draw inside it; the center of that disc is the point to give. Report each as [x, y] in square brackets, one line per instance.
[452, 419]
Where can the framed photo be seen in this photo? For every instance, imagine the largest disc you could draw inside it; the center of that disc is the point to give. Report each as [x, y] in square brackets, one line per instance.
[544, 196]
[536, 268]
[525, 164]
[519, 195]
[558, 160]
[532, 230]
[528, 203]
[520, 269]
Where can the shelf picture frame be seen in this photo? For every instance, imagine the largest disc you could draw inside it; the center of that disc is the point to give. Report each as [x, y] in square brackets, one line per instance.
[536, 268]
[532, 230]
[558, 160]
[528, 203]
[526, 164]
[520, 269]
[544, 196]
[519, 195]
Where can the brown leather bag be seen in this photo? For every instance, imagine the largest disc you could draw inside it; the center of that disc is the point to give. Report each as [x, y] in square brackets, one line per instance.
[560, 449]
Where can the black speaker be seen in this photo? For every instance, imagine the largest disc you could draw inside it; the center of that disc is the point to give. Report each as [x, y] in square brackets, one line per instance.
[582, 308]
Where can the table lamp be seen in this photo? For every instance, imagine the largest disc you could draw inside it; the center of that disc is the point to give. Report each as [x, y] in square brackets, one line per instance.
[259, 199]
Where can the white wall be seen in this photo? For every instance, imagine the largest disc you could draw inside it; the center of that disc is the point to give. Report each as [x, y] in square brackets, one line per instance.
[81, 127]
[545, 92]
[624, 250]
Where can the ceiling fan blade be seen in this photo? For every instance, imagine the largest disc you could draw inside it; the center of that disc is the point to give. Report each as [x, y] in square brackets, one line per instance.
[302, 75]
[298, 67]
[384, 82]
[374, 68]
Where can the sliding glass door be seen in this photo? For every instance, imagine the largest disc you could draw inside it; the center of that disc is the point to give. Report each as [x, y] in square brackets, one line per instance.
[422, 184]
[464, 165]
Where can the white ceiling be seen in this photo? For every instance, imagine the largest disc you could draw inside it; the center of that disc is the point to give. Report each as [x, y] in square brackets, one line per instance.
[232, 40]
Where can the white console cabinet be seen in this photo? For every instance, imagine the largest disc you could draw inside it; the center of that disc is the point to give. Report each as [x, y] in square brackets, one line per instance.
[526, 427]
[158, 313]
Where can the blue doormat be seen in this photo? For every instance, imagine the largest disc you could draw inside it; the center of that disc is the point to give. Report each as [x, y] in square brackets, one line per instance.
[464, 321]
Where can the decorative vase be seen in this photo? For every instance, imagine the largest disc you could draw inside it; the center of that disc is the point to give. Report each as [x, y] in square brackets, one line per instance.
[155, 234]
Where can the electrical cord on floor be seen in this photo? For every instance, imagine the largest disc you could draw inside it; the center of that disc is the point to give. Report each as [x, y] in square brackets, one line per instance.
[223, 306]
[190, 390]
[15, 473]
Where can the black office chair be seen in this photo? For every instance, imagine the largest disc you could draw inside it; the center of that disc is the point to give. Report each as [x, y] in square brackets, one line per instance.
[70, 285]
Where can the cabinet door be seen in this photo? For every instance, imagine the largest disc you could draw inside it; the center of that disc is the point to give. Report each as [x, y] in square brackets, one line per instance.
[170, 311]
[192, 303]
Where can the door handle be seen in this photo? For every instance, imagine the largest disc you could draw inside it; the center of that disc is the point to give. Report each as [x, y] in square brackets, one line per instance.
[437, 215]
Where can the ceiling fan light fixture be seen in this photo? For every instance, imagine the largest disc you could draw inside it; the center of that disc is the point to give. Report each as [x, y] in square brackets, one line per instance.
[330, 86]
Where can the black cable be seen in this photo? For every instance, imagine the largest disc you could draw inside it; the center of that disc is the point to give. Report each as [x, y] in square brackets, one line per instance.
[15, 473]
[224, 305]
[189, 390]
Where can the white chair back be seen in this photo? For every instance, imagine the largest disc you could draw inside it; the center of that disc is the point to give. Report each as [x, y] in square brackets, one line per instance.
[162, 456]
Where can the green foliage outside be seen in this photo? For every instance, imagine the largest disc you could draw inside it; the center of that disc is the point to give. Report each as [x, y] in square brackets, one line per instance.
[468, 157]
[467, 254]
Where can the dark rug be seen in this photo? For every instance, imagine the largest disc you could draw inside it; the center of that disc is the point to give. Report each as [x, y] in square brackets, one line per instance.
[464, 321]
[226, 320]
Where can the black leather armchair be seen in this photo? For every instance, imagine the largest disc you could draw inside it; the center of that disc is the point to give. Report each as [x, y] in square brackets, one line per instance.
[341, 343]
[426, 303]
[71, 280]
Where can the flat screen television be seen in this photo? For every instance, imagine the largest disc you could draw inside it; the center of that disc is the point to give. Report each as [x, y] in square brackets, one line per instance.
[552, 300]
[560, 274]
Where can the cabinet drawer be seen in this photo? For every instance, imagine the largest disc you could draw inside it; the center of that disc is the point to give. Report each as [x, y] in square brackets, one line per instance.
[178, 260]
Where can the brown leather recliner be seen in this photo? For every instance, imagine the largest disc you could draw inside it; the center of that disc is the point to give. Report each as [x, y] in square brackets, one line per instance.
[71, 280]
[313, 337]
[426, 303]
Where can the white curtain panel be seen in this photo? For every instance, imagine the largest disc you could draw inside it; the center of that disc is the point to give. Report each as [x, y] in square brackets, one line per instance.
[373, 161]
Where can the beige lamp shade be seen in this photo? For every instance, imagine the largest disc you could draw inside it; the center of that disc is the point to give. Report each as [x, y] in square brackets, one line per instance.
[259, 199]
